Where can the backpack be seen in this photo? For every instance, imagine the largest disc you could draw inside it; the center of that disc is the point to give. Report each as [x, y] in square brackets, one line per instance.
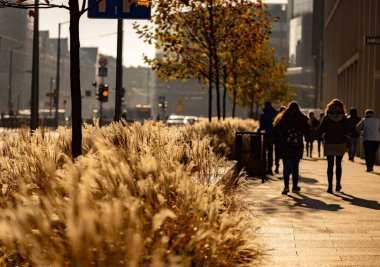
[294, 137]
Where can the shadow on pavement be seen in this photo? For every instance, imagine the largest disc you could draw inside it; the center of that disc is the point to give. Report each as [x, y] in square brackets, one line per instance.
[308, 180]
[311, 203]
[310, 159]
[360, 202]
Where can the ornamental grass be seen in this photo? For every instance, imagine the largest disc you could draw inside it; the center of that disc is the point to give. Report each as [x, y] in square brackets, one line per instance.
[141, 195]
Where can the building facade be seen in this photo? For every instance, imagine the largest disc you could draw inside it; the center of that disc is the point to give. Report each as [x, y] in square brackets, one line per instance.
[16, 58]
[279, 36]
[352, 64]
[352, 67]
[301, 65]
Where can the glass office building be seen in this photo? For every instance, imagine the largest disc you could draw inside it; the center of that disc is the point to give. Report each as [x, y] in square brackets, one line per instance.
[301, 64]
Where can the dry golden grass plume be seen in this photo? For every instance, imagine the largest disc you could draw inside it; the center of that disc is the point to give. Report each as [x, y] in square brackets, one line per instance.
[139, 196]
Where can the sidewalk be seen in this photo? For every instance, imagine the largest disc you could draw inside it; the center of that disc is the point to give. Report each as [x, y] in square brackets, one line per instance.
[314, 228]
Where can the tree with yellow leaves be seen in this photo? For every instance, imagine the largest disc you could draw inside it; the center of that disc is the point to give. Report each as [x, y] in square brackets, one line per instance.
[196, 38]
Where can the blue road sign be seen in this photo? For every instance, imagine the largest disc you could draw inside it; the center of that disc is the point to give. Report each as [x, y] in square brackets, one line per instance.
[102, 71]
[119, 9]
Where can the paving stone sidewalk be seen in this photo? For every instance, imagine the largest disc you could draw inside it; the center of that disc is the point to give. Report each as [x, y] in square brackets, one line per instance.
[314, 228]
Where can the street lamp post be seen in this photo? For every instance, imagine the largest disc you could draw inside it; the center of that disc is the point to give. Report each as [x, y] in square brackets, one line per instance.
[10, 82]
[35, 72]
[119, 69]
[57, 79]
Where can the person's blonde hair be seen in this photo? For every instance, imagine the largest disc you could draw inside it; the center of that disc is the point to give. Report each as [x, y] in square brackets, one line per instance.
[292, 107]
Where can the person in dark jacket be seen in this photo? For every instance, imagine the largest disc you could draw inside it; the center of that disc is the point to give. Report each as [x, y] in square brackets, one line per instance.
[353, 120]
[313, 124]
[334, 129]
[289, 128]
[319, 138]
[277, 145]
[266, 124]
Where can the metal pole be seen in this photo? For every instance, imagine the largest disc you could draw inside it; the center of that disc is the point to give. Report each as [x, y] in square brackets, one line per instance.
[56, 95]
[18, 104]
[100, 113]
[0, 44]
[119, 69]
[10, 82]
[35, 72]
[51, 96]
[147, 87]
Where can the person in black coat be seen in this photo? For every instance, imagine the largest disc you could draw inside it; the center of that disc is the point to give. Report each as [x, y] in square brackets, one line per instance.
[289, 128]
[313, 123]
[353, 120]
[266, 124]
[334, 129]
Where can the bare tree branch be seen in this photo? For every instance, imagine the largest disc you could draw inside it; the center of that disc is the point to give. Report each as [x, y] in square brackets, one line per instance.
[84, 10]
[5, 3]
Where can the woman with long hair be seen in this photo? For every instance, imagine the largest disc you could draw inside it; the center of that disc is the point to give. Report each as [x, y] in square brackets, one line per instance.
[290, 126]
[334, 129]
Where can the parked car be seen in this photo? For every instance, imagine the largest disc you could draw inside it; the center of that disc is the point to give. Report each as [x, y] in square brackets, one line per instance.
[191, 120]
[175, 120]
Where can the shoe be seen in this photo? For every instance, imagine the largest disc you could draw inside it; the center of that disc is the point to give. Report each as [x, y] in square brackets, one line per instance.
[338, 188]
[329, 190]
[285, 191]
[369, 170]
[276, 170]
[269, 172]
[296, 189]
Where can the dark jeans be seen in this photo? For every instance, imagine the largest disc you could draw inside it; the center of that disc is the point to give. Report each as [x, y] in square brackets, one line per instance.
[330, 169]
[309, 147]
[370, 150]
[291, 166]
[268, 146]
[277, 155]
[353, 148]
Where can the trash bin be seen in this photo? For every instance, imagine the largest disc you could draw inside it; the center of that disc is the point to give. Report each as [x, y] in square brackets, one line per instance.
[250, 153]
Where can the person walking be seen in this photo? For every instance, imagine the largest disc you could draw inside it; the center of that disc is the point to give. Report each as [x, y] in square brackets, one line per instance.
[371, 137]
[334, 129]
[313, 124]
[289, 128]
[266, 124]
[319, 138]
[353, 120]
[277, 145]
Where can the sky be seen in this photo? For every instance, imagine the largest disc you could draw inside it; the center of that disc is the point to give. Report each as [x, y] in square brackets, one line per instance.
[102, 33]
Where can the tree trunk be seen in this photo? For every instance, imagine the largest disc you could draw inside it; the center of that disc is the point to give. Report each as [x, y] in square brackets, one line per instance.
[76, 100]
[217, 86]
[210, 71]
[234, 103]
[210, 90]
[257, 112]
[215, 57]
[251, 106]
[234, 95]
[224, 92]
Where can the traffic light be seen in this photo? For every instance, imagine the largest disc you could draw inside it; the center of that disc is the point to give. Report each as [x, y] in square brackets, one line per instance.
[103, 93]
